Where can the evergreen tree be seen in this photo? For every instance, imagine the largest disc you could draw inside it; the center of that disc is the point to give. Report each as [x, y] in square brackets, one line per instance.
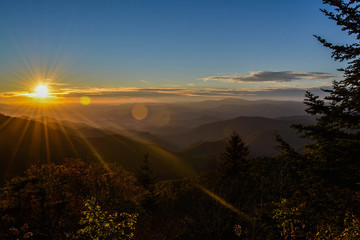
[232, 185]
[232, 171]
[329, 169]
[336, 133]
[145, 174]
[233, 160]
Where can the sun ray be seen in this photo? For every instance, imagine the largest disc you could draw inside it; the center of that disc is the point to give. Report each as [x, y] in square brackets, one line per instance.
[21, 138]
[3, 125]
[17, 147]
[63, 130]
[36, 138]
[90, 146]
[47, 144]
[177, 163]
[223, 202]
[20, 110]
[168, 158]
[16, 46]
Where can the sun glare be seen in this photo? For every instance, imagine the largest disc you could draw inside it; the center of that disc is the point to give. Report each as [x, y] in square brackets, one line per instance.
[41, 91]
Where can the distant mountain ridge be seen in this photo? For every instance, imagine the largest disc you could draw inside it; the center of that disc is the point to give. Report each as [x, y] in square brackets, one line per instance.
[260, 139]
[244, 126]
[190, 135]
[163, 118]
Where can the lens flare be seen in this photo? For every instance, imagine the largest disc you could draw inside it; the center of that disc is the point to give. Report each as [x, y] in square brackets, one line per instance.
[85, 100]
[139, 112]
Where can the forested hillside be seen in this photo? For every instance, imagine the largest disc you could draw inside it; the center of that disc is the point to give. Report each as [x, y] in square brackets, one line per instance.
[69, 181]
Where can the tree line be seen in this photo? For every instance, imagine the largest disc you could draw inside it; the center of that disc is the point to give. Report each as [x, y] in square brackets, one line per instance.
[313, 194]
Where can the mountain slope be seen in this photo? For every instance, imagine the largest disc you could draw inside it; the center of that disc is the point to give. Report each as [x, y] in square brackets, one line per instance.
[162, 118]
[26, 142]
[258, 134]
[244, 126]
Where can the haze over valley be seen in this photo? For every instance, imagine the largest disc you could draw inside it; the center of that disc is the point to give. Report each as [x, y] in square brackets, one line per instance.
[179, 120]
[192, 134]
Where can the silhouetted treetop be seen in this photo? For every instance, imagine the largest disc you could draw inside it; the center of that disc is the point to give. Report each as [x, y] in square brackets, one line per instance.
[336, 133]
[338, 114]
[233, 159]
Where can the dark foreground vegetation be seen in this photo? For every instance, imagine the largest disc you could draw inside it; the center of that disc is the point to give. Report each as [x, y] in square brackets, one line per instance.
[312, 194]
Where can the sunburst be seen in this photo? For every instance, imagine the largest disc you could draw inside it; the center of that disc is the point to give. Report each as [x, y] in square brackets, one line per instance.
[41, 91]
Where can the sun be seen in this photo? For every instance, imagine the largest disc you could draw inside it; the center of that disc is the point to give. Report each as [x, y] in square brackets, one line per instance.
[41, 91]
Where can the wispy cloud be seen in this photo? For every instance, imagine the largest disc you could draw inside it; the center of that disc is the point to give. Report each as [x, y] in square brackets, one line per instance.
[271, 76]
[195, 92]
[182, 94]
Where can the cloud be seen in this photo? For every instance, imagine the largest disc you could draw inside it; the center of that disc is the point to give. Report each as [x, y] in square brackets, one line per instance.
[270, 76]
[174, 94]
[152, 93]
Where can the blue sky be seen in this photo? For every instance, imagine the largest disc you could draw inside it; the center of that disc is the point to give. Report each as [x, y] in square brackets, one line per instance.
[191, 45]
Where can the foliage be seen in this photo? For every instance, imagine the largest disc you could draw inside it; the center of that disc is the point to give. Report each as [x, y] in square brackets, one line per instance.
[238, 230]
[336, 134]
[332, 167]
[100, 225]
[21, 233]
[50, 197]
[325, 177]
[233, 160]
[292, 196]
[289, 220]
[145, 174]
[351, 230]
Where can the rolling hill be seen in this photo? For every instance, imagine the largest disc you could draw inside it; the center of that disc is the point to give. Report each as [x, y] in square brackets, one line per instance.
[27, 142]
[191, 136]
[162, 118]
[258, 134]
[249, 128]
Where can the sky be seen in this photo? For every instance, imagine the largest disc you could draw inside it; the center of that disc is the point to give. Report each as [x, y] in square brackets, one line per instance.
[133, 50]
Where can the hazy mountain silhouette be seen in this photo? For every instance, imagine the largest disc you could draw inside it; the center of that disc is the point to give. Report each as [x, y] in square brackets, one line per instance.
[252, 129]
[258, 134]
[109, 133]
[162, 118]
